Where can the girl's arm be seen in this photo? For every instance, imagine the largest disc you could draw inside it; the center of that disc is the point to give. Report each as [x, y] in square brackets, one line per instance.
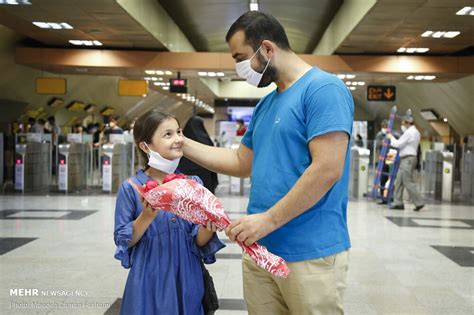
[205, 233]
[142, 222]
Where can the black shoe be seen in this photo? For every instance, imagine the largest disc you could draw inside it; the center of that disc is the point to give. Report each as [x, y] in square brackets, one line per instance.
[397, 207]
[418, 208]
[383, 202]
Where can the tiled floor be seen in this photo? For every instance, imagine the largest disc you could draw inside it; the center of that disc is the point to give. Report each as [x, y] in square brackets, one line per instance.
[402, 262]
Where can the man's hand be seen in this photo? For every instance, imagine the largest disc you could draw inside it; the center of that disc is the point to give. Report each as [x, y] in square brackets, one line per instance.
[250, 228]
[390, 136]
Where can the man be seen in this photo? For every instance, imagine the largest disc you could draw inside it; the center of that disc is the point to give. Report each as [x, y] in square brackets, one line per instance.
[408, 148]
[296, 149]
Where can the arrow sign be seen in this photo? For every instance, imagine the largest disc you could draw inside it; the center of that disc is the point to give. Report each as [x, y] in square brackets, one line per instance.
[381, 93]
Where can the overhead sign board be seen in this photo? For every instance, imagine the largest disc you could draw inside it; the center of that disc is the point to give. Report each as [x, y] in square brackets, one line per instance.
[381, 93]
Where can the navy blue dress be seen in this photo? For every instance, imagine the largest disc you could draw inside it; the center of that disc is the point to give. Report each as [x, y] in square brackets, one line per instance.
[165, 273]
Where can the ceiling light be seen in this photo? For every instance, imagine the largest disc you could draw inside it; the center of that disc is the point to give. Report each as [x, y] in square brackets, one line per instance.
[430, 77]
[361, 83]
[411, 50]
[166, 72]
[85, 42]
[429, 114]
[451, 34]
[422, 50]
[401, 49]
[410, 77]
[159, 72]
[156, 83]
[427, 34]
[441, 34]
[348, 83]
[150, 71]
[211, 74]
[253, 5]
[350, 76]
[419, 77]
[16, 2]
[154, 78]
[220, 74]
[445, 119]
[202, 74]
[466, 11]
[352, 88]
[165, 87]
[341, 76]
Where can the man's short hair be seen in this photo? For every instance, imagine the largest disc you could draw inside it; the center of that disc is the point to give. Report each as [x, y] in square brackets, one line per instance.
[259, 26]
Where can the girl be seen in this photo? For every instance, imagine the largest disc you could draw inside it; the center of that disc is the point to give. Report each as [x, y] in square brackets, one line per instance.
[163, 251]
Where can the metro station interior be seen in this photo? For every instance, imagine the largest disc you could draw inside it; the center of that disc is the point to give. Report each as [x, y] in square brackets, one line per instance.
[76, 74]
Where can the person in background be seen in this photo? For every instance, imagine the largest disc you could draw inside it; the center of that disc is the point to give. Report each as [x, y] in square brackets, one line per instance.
[113, 127]
[241, 129]
[78, 128]
[359, 141]
[38, 127]
[31, 123]
[196, 131]
[407, 145]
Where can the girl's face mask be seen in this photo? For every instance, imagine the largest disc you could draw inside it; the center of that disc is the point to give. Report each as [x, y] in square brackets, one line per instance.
[158, 162]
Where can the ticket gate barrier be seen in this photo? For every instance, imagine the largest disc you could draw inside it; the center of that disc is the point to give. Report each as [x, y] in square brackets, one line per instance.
[433, 173]
[447, 177]
[467, 174]
[73, 163]
[359, 175]
[2, 164]
[116, 163]
[33, 156]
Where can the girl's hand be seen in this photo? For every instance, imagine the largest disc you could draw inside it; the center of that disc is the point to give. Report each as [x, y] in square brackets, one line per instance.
[147, 210]
[210, 227]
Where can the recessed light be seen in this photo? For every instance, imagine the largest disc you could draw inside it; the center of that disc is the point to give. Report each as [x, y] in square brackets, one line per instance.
[350, 76]
[78, 42]
[401, 49]
[165, 87]
[211, 74]
[352, 88]
[341, 76]
[159, 72]
[202, 74]
[253, 6]
[445, 119]
[361, 83]
[167, 72]
[348, 82]
[150, 71]
[441, 34]
[466, 11]
[220, 74]
[15, 2]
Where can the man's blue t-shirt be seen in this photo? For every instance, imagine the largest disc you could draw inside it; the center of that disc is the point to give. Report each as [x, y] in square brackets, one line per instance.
[281, 127]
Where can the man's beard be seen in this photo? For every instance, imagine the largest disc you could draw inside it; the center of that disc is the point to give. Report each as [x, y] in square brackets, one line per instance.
[270, 75]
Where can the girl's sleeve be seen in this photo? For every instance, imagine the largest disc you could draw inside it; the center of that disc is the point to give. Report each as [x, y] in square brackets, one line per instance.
[123, 230]
[208, 251]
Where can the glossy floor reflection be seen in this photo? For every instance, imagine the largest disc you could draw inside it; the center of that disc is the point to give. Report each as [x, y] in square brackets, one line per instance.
[402, 262]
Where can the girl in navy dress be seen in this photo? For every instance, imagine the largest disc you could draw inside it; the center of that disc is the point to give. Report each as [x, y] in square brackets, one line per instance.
[162, 250]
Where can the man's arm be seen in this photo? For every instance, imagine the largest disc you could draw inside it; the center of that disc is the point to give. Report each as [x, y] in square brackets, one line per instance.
[328, 153]
[233, 162]
[399, 143]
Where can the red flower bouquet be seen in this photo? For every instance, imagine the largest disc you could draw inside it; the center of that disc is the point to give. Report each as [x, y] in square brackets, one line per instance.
[193, 202]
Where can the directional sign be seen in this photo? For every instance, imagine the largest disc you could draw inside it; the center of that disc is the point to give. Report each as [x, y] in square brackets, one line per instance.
[383, 93]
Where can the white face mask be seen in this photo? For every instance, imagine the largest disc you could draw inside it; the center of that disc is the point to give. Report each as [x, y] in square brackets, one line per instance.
[404, 128]
[245, 71]
[384, 131]
[158, 162]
